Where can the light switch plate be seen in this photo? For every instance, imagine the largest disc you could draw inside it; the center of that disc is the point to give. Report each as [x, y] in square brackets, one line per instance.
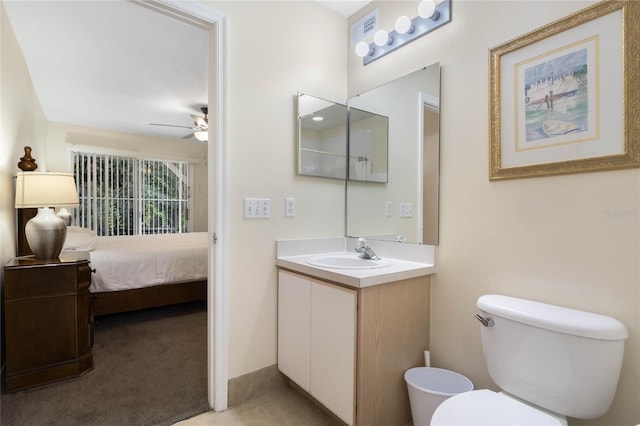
[257, 208]
[290, 207]
[406, 209]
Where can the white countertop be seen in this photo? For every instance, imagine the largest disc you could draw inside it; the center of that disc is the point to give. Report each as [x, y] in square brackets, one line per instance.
[400, 269]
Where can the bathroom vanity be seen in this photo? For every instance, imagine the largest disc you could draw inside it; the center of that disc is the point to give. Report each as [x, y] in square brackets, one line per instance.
[346, 336]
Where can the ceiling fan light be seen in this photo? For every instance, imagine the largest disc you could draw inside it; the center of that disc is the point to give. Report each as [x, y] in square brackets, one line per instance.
[200, 122]
[202, 136]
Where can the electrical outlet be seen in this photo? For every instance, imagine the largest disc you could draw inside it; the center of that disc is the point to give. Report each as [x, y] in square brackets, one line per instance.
[388, 209]
[406, 209]
[257, 208]
[290, 207]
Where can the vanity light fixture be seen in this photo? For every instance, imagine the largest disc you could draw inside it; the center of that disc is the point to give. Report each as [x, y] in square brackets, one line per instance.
[432, 14]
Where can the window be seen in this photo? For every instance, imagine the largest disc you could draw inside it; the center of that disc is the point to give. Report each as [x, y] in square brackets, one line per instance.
[128, 196]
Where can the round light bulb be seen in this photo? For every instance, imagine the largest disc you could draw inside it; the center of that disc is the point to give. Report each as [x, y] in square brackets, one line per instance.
[381, 37]
[426, 9]
[403, 24]
[362, 49]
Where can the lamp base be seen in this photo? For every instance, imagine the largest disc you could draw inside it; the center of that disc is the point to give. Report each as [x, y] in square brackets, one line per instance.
[65, 215]
[45, 234]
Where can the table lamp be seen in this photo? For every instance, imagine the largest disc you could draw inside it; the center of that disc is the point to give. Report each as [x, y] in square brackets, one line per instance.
[45, 232]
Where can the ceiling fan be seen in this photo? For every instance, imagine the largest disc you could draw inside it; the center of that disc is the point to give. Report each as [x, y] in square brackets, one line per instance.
[200, 128]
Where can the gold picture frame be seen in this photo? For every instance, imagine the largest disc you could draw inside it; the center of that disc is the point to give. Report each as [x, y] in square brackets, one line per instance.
[565, 98]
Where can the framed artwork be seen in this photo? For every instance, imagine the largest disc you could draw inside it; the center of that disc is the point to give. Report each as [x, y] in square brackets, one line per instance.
[565, 98]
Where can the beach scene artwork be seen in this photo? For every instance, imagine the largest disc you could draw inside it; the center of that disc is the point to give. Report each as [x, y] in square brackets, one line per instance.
[556, 97]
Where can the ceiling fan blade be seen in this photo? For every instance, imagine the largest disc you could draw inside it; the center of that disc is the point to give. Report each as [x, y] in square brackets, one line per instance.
[172, 125]
[189, 136]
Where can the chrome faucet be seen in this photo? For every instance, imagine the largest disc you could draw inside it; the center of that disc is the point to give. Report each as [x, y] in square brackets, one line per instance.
[365, 251]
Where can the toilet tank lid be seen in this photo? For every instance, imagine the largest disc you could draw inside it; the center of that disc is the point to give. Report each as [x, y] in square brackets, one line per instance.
[553, 317]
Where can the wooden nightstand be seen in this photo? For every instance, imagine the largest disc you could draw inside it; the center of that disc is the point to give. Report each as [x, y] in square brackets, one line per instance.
[48, 320]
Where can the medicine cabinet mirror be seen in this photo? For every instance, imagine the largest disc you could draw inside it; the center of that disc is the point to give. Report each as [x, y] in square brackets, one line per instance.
[322, 137]
[324, 146]
[405, 208]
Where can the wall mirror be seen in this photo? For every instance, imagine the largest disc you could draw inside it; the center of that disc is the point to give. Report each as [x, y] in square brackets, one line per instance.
[368, 145]
[405, 208]
[322, 137]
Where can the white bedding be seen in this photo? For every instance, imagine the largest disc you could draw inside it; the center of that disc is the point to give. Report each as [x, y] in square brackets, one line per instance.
[127, 262]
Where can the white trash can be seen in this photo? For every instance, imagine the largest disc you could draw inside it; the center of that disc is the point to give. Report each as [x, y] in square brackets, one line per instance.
[429, 387]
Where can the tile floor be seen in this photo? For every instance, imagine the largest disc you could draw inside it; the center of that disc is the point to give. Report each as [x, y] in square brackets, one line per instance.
[283, 407]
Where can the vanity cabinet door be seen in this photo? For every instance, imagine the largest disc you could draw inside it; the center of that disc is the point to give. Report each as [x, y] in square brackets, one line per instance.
[317, 340]
[294, 327]
[333, 348]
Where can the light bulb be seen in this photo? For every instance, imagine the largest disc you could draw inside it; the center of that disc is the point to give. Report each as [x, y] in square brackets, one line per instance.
[381, 37]
[427, 10]
[403, 25]
[362, 49]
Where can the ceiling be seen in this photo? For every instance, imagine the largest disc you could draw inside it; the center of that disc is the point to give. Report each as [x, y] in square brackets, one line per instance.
[116, 64]
[344, 7]
[113, 64]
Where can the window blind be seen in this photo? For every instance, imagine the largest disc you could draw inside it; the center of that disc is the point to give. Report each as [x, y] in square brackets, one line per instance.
[129, 196]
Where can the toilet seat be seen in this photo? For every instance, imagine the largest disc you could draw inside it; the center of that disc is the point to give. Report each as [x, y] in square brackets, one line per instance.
[487, 408]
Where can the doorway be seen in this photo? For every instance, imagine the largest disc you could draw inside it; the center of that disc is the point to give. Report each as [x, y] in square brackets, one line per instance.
[217, 339]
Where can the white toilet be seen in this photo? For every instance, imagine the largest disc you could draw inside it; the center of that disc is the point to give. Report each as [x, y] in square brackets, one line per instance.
[549, 361]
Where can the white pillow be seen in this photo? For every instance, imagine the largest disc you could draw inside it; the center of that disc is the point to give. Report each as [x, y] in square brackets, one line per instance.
[81, 239]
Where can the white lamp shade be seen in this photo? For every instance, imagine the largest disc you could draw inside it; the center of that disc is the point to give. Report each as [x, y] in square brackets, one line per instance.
[45, 189]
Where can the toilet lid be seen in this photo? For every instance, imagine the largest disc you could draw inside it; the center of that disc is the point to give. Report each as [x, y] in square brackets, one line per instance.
[487, 408]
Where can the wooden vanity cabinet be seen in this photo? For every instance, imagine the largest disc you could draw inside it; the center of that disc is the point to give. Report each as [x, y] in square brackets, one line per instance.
[361, 381]
[48, 320]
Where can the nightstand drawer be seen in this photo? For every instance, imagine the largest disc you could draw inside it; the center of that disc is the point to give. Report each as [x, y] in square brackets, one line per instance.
[40, 281]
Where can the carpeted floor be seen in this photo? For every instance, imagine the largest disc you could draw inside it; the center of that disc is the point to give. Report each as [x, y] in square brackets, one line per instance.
[150, 369]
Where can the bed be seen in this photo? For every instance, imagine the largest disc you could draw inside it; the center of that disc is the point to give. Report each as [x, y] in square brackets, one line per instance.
[143, 271]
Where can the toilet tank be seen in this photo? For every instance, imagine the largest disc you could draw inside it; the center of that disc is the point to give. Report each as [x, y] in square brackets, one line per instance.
[565, 360]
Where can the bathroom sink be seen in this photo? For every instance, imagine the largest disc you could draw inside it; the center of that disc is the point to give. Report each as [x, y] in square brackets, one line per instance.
[347, 261]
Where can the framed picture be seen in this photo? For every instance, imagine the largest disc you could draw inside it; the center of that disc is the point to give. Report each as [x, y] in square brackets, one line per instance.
[565, 98]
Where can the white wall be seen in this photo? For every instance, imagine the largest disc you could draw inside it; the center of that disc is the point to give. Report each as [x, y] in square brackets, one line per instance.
[550, 239]
[61, 136]
[22, 123]
[275, 49]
